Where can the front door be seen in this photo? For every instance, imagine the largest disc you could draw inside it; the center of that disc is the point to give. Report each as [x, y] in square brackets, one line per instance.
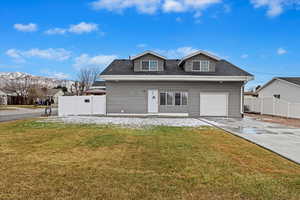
[152, 101]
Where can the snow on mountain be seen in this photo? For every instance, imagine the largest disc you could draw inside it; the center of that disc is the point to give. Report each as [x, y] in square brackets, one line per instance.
[42, 81]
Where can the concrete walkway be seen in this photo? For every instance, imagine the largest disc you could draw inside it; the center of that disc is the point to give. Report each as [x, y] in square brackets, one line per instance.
[281, 139]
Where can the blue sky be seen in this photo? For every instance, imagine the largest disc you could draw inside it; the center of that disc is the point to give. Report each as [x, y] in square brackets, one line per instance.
[58, 37]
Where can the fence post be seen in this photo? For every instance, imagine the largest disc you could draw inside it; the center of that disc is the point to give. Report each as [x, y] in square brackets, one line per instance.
[288, 111]
[261, 106]
[273, 106]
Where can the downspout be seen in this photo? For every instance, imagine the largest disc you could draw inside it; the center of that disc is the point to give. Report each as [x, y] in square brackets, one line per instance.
[242, 98]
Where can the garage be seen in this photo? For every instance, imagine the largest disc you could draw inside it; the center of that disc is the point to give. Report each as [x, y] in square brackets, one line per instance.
[214, 104]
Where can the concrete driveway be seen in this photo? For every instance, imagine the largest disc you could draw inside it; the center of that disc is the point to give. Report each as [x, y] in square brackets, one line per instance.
[284, 140]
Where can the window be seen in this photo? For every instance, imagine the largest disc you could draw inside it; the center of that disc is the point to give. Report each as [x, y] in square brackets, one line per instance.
[173, 98]
[150, 65]
[201, 66]
[196, 66]
[277, 96]
[204, 66]
[184, 98]
[153, 65]
[177, 99]
[145, 65]
[162, 98]
[169, 98]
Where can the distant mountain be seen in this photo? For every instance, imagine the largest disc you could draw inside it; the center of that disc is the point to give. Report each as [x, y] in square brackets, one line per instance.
[41, 81]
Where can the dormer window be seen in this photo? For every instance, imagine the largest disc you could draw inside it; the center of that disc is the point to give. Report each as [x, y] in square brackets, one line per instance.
[201, 65]
[149, 65]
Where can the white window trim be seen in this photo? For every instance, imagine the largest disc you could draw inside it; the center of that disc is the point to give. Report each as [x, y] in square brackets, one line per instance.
[149, 70]
[201, 67]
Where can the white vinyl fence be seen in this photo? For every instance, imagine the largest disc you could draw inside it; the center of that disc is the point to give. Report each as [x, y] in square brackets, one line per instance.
[272, 106]
[81, 105]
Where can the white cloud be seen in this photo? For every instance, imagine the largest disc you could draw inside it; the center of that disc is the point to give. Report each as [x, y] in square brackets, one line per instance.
[83, 28]
[85, 60]
[143, 6]
[173, 6]
[184, 51]
[187, 5]
[80, 28]
[26, 27]
[275, 7]
[177, 53]
[152, 6]
[51, 54]
[56, 31]
[244, 56]
[281, 51]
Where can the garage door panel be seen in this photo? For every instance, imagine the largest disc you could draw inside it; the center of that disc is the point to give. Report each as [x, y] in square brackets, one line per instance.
[214, 104]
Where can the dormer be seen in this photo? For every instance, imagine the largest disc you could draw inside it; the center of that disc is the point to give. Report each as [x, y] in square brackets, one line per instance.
[148, 61]
[200, 61]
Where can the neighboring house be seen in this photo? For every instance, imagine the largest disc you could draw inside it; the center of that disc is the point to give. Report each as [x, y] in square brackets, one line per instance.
[3, 98]
[98, 85]
[284, 88]
[199, 84]
[49, 93]
[54, 94]
[98, 88]
[250, 95]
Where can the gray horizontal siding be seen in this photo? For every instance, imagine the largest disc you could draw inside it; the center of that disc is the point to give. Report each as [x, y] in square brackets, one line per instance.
[131, 97]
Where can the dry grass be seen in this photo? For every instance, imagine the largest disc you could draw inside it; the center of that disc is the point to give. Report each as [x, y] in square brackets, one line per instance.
[26, 106]
[56, 161]
[4, 107]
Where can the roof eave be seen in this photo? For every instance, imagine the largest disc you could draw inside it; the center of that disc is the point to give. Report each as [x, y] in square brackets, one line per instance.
[174, 78]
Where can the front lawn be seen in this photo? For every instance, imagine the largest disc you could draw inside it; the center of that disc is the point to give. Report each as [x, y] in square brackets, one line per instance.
[57, 161]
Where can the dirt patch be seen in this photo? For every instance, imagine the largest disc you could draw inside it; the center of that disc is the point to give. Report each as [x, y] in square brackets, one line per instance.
[276, 119]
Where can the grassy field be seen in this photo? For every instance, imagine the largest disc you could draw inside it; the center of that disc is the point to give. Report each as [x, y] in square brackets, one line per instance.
[56, 161]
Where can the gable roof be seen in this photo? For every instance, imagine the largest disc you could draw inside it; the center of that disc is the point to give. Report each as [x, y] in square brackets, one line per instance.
[291, 80]
[125, 67]
[294, 80]
[148, 52]
[197, 53]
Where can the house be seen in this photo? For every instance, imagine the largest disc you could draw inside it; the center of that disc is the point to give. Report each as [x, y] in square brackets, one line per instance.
[199, 84]
[98, 88]
[54, 94]
[44, 93]
[284, 88]
[98, 85]
[3, 98]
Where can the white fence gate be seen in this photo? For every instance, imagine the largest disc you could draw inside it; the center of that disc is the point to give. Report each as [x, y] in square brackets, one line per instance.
[273, 106]
[81, 105]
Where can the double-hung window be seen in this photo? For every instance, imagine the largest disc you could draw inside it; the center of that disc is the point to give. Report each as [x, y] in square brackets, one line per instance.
[201, 65]
[173, 98]
[149, 65]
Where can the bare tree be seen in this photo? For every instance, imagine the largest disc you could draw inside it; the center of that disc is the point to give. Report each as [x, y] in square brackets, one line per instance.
[86, 77]
[20, 87]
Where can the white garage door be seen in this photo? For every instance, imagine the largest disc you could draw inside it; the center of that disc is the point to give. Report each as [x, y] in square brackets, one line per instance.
[213, 104]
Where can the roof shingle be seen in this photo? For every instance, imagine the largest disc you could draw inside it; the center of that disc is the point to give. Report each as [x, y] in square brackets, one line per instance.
[125, 67]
